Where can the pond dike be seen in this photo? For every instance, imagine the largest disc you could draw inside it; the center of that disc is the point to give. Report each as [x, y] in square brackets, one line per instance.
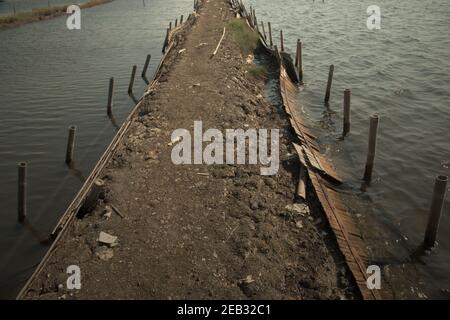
[166, 231]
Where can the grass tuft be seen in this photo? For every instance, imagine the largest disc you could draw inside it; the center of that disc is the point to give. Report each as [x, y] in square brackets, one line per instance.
[258, 72]
[245, 37]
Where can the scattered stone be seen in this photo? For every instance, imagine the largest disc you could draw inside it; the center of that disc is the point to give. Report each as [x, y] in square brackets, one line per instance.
[175, 140]
[104, 254]
[298, 208]
[155, 130]
[247, 279]
[107, 213]
[106, 238]
[151, 155]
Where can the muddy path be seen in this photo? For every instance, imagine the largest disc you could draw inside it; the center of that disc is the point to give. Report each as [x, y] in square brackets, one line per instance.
[199, 231]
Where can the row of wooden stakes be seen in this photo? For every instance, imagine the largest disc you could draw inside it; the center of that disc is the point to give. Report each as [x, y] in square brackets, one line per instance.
[440, 186]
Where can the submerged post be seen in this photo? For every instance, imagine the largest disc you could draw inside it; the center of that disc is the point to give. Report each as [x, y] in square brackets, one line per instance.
[181, 20]
[437, 202]
[22, 192]
[130, 86]
[70, 145]
[147, 61]
[176, 22]
[170, 25]
[372, 147]
[347, 98]
[330, 80]
[299, 60]
[110, 96]
[166, 41]
[281, 41]
[270, 34]
[263, 30]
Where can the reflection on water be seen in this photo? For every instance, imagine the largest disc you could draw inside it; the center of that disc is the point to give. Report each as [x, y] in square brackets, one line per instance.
[52, 78]
[401, 72]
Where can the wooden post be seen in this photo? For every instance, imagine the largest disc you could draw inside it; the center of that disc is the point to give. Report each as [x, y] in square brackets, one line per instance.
[437, 202]
[144, 71]
[255, 23]
[70, 145]
[22, 192]
[372, 147]
[110, 96]
[270, 34]
[278, 55]
[166, 40]
[130, 86]
[170, 26]
[181, 20]
[281, 41]
[347, 98]
[330, 79]
[263, 30]
[176, 22]
[299, 60]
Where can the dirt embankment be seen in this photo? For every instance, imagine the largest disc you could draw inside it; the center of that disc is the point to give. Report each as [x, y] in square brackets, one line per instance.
[39, 14]
[199, 231]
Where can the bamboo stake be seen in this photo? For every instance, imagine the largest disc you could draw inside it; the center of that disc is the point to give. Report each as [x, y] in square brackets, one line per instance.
[330, 80]
[372, 147]
[437, 202]
[264, 30]
[22, 192]
[144, 71]
[299, 59]
[133, 74]
[166, 41]
[70, 145]
[347, 97]
[281, 41]
[110, 96]
[270, 34]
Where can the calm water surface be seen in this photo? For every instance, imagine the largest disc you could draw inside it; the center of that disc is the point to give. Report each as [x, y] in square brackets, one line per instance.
[52, 78]
[401, 72]
[7, 6]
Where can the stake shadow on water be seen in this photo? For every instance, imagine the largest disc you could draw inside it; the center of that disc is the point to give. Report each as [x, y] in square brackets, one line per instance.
[76, 172]
[133, 97]
[43, 239]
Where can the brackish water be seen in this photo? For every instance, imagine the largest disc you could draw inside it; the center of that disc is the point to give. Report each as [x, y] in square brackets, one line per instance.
[51, 78]
[401, 72]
